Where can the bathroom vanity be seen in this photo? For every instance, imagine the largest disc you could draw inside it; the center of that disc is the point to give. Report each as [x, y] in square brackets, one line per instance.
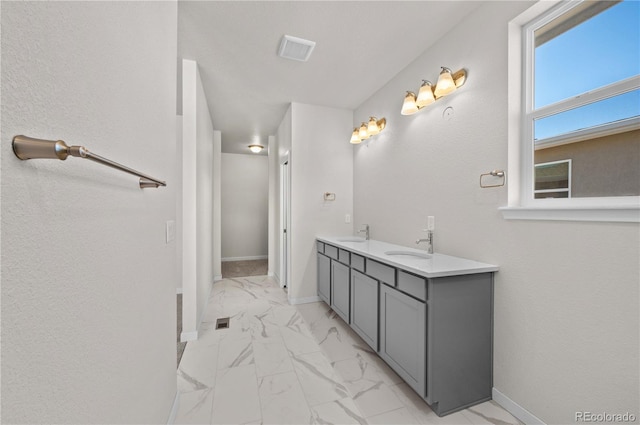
[428, 316]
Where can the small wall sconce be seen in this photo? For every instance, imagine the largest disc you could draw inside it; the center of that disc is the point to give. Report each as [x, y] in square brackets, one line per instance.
[447, 83]
[256, 148]
[366, 130]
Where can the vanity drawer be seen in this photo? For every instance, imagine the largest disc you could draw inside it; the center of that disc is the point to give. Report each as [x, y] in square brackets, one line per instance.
[357, 262]
[320, 247]
[343, 256]
[331, 251]
[413, 285]
[382, 272]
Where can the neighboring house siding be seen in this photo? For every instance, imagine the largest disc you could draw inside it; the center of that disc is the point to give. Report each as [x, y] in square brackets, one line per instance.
[604, 166]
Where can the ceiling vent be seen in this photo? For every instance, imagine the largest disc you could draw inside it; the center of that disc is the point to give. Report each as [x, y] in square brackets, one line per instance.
[296, 48]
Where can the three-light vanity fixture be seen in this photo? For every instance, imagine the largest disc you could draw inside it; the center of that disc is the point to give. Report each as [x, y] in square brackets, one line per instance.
[366, 130]
[447, 83]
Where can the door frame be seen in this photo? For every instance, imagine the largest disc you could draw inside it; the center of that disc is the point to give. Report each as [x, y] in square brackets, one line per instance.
[285, 221]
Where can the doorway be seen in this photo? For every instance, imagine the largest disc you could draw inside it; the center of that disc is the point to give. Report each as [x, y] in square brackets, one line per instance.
[244, 205]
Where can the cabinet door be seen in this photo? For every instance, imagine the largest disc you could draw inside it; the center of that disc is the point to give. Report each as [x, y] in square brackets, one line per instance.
[340, 290]
[324, 278]
[364, 307]
[403, 336]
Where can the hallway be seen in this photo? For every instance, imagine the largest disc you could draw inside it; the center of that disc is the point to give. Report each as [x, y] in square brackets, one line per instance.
[244, 268]
[283, 364]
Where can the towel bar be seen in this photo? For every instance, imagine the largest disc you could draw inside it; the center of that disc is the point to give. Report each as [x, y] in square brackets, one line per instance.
[494, 173]
[29, 148]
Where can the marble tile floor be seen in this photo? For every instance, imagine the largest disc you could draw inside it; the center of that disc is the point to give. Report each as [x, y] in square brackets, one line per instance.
[283, 364]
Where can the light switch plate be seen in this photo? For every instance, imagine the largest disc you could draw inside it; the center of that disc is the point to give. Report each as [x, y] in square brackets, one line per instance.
[171, 231]
[347, 218]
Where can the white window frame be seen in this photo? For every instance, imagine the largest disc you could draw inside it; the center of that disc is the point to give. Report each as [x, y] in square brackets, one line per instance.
[560, 189]
[521, 202]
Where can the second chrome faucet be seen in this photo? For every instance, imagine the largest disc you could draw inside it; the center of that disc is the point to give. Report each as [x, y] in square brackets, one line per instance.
[428, 240]
[365, 231]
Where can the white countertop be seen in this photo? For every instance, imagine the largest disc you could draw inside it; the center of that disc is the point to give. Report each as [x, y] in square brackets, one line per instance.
[438, 265]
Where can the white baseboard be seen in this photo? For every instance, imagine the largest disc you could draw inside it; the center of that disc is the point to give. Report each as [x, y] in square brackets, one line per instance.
[188, 336]
[515, 409]
[174, 409]
[306, 300]
[255, 257]
[178, 291]
[217, 278]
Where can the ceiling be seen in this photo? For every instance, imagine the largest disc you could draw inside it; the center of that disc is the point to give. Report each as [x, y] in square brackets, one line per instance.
[360, 46]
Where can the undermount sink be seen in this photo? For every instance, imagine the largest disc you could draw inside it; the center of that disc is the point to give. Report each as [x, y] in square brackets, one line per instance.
[351, 239]
[411, 255]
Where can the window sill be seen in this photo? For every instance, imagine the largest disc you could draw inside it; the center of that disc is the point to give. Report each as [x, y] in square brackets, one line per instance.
[621, 214]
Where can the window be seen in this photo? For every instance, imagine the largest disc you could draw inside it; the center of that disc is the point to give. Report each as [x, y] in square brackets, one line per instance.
[580, 109]
[553, 180]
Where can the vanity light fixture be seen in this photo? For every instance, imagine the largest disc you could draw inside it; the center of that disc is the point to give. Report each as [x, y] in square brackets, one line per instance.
[373, 128]
[447, 83]
[366, 130]
[363, 132]
[256, 148]
[409, 106]
[425, 95]
[355, 136]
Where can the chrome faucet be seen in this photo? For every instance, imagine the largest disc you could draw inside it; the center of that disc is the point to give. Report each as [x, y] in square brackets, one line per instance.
[365, 231]
[428, 240]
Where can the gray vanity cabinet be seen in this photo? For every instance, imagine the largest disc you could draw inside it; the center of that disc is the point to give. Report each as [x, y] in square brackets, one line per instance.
[435, 332]
[324, 278]
[340, 289]
[460, 341]
[364, 307]
[403, 329]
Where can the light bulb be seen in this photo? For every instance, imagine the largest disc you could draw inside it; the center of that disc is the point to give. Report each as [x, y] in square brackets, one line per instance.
[256, 148]
[425, 95]
[445, 83]
[409, 106]
[373, 128]
[363, 133]
[355, 137]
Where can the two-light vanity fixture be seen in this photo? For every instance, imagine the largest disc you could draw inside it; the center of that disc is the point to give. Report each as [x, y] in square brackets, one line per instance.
[447, 83]
[374, 127]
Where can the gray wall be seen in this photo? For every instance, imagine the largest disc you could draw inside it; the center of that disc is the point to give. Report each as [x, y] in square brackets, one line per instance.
[566, 296]
[88, 282]
[320, 162]
[244, 204]
[200, 147]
